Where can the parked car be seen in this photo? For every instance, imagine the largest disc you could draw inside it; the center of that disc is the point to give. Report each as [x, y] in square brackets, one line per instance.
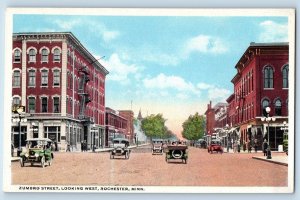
[177, 152]
[157, 146]
[286, 143]
[38, 150]
[120, 148]
[200, 144]
[216, 146]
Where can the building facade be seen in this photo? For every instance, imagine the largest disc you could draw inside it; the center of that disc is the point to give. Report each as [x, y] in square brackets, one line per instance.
[261, 81]
[62, 87]
[129, 116]
[116, 126]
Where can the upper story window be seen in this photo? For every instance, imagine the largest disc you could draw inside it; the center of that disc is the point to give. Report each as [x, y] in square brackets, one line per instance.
[44, 104]
[56, 104]
[32, 55]
[44, 77]
[31, 104]
[16, 79]
[45, 55]
[265, 103]
[268, 77]
[56, 55]
[56, 77]
[278, 107]
[16, 101]
[31, 74]
[285, 76]
[17, 56]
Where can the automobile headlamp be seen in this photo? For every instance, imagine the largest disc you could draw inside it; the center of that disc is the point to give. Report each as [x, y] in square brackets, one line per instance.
[26, 154]
[36, 155]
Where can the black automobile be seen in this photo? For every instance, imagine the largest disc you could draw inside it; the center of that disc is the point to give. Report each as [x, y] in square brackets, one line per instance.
[120, 148]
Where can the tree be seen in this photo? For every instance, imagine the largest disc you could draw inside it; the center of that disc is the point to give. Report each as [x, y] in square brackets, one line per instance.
[154, 126]
[193, 127]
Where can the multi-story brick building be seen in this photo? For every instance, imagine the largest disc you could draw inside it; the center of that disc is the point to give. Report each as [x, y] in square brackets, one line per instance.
[129, 116]
[262, 81]
[116, 126]
[62, 86]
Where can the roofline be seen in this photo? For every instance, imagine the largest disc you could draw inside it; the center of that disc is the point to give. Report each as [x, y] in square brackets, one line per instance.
[74, 39]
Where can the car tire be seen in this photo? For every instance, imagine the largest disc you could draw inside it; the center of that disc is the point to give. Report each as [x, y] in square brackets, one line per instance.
[50, 162]
[43, 161]
[21, 162]
[126, 155]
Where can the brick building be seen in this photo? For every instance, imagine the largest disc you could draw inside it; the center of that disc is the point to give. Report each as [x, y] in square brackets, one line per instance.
[62, 86]
[116, 126]
[261, 81]
[129, 116]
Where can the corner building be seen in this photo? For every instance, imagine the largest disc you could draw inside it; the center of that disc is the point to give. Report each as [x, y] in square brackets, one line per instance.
[63, 88]
[261, 81]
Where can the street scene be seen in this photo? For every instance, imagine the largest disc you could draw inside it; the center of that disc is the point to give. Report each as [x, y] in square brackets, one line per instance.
[145, 169]
[104, 100]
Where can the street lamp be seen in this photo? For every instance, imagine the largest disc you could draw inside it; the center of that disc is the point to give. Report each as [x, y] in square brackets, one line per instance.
[268, 119]
[20, 110]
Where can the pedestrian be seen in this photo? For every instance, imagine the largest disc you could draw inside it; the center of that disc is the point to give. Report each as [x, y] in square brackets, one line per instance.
[235, 147]
[255, 145]
[81, 146]
[264, 147]
[249, 146]
[238, 147]
[12, 150]
[244, 146]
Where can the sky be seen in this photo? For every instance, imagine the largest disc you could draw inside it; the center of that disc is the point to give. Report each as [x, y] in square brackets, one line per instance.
[172, 65]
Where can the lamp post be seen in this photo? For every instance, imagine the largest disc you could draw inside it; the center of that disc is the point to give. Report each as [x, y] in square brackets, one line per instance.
[268, 119]
[20, 110]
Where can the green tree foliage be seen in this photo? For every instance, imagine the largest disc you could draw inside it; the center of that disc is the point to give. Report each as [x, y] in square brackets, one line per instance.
[193, 127]
[154, 126]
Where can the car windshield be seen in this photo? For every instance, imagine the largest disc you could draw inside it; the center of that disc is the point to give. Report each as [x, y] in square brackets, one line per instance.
[36, 143]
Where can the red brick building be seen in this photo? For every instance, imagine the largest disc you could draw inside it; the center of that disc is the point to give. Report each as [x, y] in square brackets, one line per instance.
[62, 86]
[116, 126]
[129, 116]
[261, 81]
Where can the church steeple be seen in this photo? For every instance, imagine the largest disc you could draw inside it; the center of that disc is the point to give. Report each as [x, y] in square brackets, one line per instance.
[140, 116]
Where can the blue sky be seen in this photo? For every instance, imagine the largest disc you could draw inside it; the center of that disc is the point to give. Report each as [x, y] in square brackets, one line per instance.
[169, 65]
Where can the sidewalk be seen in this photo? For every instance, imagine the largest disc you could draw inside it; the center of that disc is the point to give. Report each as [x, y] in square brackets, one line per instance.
[281, 160]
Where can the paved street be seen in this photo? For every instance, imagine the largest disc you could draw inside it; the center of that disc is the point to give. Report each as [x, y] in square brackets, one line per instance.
[143, 168]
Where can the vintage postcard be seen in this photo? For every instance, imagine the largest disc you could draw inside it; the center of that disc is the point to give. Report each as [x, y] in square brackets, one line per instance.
[149, 100]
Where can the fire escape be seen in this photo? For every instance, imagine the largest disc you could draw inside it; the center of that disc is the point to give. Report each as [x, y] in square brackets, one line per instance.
[84, 95]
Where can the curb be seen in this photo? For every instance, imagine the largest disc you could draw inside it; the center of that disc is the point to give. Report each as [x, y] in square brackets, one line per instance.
[271, 161]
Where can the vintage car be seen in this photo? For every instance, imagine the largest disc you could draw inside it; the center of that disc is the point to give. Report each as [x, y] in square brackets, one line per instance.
[286, 143]
[38, 150]
[216, 146]
[120, 148]
[177, 152]
[157, 146]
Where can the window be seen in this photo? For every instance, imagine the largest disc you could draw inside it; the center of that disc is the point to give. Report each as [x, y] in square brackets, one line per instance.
[44, 74]
[44, 104]
[285, 76]
[268, 77]
[278, 107]
[52, 132]
[17, 55]
[56, 55]
[56, 104]
[16, 101]
[265, 103]
[56, 77]
[44, 55]
[31, 78]
[32, 55]
[31, 105]
[16, 79]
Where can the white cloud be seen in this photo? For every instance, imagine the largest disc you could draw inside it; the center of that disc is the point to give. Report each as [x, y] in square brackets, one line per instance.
[118, 70]
[273, 32]
[169, 82]
[67, 25]
[204, 44]
[204, 86]
[214, 92]
[110, 35]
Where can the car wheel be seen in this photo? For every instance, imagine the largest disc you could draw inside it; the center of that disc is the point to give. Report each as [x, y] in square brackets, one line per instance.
[126, 155]
[43, 162]
[50, 162]
[21, 162]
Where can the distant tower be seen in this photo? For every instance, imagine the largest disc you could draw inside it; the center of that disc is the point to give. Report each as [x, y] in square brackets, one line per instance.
[140, 118]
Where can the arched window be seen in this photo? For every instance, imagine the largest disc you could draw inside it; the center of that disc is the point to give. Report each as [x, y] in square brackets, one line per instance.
[56, 55]
[265, 103]
[278, 107]
[44, 104]
[268, 77]
[56, 77]
[44, 55]
[31, 81]
[31, 104]
[32, 55]
[285, 76]
[16, 101]
[17, 55]
[44, 76]
[16, 79]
